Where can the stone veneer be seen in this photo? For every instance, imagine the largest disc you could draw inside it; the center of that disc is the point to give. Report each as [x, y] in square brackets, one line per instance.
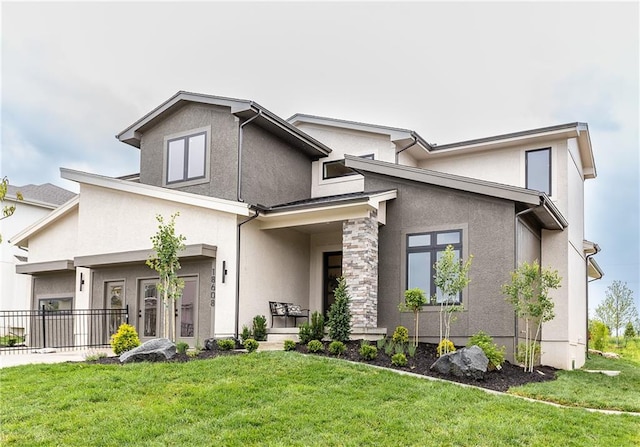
[360, 268]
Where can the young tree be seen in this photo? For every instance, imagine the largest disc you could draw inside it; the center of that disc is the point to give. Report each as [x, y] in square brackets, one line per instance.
[339, 315]
[618, 307]
[7, 210]
[629, 331]
[414, 300]
[165, 261]
[529, 294]
[452, 276]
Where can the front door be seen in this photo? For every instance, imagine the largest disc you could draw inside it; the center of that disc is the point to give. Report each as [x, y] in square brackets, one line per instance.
[149, 313]
[114, 300]
[332, 271]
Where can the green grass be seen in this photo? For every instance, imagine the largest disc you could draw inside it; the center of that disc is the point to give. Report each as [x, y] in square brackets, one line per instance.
[583, 389]
[277, 398]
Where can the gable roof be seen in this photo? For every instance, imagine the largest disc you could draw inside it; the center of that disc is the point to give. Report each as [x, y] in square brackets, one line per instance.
[46, 195]
[543, 208]
[241, 108]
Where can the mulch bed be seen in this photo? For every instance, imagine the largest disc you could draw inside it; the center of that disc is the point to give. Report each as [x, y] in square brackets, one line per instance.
[509, 376]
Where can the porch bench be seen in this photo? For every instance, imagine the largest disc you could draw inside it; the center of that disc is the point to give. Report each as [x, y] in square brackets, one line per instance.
[287, 310]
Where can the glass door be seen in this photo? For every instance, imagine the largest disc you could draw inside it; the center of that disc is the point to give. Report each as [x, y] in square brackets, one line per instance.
[149, 310]
[332, 271]
[114, 297]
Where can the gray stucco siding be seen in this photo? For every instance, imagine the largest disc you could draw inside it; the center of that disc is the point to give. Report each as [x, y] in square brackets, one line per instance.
[221, 157]
[55, 285]
[487, 225]
[273, 171]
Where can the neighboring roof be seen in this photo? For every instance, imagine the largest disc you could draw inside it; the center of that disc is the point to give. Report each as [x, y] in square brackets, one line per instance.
[338, 199]
[239, 107]
[396, 134]
[543, 208]
[45, 195]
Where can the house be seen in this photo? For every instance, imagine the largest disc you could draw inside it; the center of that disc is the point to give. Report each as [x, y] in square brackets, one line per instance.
[276, 210]
[38, 201]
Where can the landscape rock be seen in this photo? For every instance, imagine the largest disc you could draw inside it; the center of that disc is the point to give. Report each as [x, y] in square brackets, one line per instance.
[156, 350]
[210, 344]
[468, 362]
[610, 355]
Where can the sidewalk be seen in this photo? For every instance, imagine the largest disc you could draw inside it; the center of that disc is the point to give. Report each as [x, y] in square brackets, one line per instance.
[46, 356]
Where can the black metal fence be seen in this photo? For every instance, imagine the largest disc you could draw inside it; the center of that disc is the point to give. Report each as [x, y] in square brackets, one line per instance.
[27, 330]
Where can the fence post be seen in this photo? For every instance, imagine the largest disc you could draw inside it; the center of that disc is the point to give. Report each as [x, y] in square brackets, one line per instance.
[44, 328]
[126, 317]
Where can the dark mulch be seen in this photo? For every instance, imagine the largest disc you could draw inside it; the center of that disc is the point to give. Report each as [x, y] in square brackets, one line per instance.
[498, 380]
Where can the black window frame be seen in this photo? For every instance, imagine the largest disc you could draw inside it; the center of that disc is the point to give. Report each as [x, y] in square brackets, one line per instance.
[527, 173]
[185, 168]
[325, 164]
[433, 248]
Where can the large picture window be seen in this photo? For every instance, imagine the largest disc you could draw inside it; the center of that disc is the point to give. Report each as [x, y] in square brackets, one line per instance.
[186, 158]
[423, 250]
[539, 170]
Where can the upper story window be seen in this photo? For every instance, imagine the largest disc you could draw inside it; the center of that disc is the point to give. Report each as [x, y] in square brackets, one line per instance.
[336, 168]
[186, 158]
[423, 250]
[539, 170]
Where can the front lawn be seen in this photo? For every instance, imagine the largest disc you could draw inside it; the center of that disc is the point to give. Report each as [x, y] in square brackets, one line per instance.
[277, 398]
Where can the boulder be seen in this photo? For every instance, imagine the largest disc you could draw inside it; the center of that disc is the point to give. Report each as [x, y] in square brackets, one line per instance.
[466, 362]
[156, 350]
[210, 344]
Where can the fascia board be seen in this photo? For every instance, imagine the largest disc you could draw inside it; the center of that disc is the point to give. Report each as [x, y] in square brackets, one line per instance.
[586, 152]
[64, 265]
[594, 270]
[325, 214]
[64, 209]
[375, 199]
[444, 180]
[193, 251]
[212, 203]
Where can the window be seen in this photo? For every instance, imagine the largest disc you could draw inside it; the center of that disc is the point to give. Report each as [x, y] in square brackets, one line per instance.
[336, 168]
[186, 158]
[55, 304]
[539, 170]
[423, 250]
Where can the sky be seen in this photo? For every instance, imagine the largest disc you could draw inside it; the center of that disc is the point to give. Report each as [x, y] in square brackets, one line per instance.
[75, 74]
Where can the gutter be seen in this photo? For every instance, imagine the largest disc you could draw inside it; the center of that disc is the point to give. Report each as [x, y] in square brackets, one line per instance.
[515, 265]
[413, 143]
[587, 259]
[238, 241]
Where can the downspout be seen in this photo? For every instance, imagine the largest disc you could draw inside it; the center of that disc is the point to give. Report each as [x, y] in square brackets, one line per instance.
[238, 240]
[587, 259]
[415, 140]
[240, 133]
[515, 265]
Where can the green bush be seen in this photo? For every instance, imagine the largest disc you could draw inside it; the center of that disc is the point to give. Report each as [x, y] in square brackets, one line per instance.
[412, 350]
[317, 326]
[260, 328]
[245, 334]
[305, 334]
[388, 348]
[289, 345]
[226, 344]
[315, 346]
[125, 339]
[380, 343]
[445, 346]
[399, 348]
[337, 348]
[629, 331]
[399, 360]
[599, 334]
[485, 342]
[400, 335]
[368, 352]
[250, 344]
[181, 347]
[339, 313]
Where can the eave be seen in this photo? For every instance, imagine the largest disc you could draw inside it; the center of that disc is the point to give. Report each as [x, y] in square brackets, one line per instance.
[190, 253]
[35, 268]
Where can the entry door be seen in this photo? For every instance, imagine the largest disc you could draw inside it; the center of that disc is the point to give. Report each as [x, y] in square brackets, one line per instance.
[332, 271]
[114, 299]
[149, 313]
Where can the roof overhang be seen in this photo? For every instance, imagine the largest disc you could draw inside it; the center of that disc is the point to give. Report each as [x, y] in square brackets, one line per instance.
[241, 108]
[540, 204]
[305, 214]
[35, 268]
[190, 253]
[590, 250]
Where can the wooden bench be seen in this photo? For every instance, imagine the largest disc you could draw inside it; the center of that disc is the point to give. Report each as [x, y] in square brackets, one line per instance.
[287, 310]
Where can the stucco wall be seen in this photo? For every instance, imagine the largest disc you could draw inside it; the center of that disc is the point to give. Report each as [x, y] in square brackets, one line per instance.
[488, 234]
[59, 241]
[222, 156]
[60, 285]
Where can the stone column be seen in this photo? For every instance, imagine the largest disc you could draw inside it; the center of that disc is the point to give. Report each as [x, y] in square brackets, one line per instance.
[360, 268]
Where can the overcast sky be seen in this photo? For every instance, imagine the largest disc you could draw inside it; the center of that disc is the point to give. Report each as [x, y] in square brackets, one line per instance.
[75, 74]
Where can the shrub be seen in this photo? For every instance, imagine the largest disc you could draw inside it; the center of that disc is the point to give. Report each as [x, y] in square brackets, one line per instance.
[380, 343]
[400, 335]
[337, 348]
[629, 331]
[445, 346]
[412, 350]
[315, 346]
[226, 344]
[399, 360]
[245, 334]
[250, 344]
[414, 300]
[305, 334]
[523, 353]
[125, 339]
[388, 348]
[599, 334]
[289, 345]
[368, 352]
[339, 313]
[181, 347]
[399, 348]
[193, 353]
[317, 326]
[490, 349]
[260, 328]
[94, 356]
